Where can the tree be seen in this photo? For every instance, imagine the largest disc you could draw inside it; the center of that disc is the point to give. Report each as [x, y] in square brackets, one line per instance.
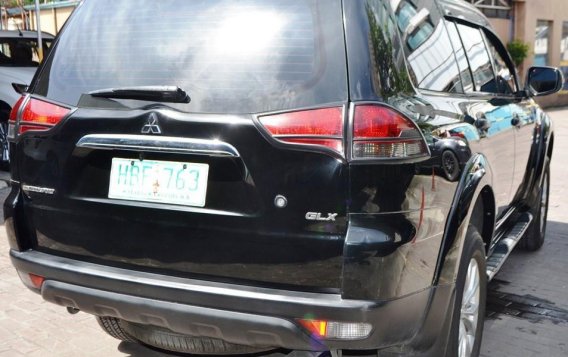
[518, 50]
[18, 3]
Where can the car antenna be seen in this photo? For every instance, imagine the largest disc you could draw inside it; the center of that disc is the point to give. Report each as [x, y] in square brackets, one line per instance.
[19, 31]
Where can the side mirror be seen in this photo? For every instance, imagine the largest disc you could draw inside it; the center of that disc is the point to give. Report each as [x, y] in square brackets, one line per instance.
[543, 81]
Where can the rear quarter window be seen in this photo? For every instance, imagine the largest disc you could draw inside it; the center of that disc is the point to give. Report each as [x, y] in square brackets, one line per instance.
[427, 47]
[229, 56]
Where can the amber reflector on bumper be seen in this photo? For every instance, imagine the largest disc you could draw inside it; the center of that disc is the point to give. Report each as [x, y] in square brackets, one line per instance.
[30, 280]
[337, 330]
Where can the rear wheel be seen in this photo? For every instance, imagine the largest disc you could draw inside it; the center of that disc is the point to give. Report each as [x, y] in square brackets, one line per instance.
[469, 307]
[169, 340]
[113, 327]
[450, 165]
[534, 237]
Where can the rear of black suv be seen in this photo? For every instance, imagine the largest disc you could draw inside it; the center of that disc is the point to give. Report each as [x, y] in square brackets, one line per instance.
[199, 173]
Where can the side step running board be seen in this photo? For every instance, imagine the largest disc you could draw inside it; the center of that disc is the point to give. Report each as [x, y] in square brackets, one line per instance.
[505, 246]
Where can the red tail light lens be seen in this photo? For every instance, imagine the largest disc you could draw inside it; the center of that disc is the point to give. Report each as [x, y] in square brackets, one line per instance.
[13, 117]
[319, 127]
[37, 115]
[16, 108]
[383, 133]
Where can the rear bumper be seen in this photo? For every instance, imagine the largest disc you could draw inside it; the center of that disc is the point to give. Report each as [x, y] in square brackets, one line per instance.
[238, 314]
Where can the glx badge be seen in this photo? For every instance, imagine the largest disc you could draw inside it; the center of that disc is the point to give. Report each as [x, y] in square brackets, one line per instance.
[317, 216]
[151, 126]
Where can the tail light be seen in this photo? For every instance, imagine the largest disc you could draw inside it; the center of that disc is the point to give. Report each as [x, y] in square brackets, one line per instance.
[317, 127]
[31, 114]
[13, 117]
[380, 132]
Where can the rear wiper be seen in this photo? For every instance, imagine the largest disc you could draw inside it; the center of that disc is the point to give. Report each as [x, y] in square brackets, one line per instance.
[170, 94]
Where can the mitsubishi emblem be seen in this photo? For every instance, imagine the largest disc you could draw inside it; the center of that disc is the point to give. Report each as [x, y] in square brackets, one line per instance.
[151, 126]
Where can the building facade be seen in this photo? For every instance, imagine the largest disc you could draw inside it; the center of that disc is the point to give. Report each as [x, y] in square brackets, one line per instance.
[543, 25]
[52, 16]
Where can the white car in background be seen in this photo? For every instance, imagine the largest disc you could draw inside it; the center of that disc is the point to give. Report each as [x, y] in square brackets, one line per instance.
[19, 59]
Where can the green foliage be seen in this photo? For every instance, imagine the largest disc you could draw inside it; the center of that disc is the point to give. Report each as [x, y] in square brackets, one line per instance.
[16, 3]
[519, 50]
[392, 76]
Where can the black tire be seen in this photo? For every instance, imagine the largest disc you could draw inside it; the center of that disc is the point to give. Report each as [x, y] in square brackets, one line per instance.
[169, 340]
[534, 237]
[473, 250]
[450, 165]
[112, 326]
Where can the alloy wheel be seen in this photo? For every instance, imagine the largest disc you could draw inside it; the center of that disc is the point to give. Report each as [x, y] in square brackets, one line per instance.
[469, 310]
[543, 204]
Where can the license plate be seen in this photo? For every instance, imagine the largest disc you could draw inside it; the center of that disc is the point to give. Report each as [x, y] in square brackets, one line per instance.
[182, 183]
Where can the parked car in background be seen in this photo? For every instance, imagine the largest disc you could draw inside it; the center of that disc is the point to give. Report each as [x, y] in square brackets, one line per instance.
[227, 177]
[19, 59]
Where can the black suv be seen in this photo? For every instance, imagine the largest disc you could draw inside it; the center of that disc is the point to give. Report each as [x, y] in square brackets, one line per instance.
[231, 177]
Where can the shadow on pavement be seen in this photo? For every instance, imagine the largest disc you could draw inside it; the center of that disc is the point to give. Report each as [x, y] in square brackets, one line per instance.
[138, 350]
[541, 269]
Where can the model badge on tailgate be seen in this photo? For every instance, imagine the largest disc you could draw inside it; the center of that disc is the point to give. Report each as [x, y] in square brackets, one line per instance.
[317, 216]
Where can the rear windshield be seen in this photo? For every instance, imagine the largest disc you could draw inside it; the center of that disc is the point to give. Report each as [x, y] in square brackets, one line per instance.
[230, 56]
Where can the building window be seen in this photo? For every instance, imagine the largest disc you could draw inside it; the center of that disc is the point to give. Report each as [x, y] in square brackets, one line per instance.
[494, 8]
[564, 55]
[541, 42]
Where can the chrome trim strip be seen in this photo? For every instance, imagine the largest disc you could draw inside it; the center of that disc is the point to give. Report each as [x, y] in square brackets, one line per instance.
[166, 206]
[46, 190]
[157, 144]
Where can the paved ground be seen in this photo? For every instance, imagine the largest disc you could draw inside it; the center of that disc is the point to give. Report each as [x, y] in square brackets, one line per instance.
[534, 284]
[528, 303]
